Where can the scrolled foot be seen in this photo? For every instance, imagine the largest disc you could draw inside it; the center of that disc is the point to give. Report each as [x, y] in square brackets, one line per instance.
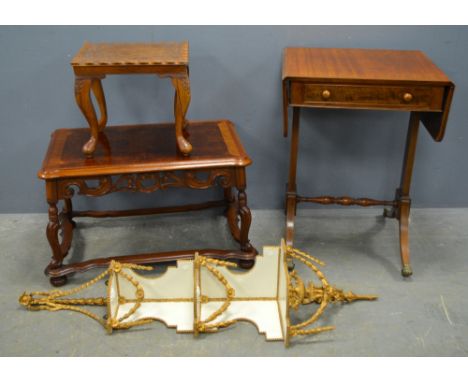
[58, 281]
[406, 271]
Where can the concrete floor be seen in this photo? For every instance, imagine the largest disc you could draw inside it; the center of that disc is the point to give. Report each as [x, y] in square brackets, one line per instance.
[421, 316]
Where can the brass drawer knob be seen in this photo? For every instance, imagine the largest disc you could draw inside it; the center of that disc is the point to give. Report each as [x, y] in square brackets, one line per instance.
[407, 97]
[326, 94]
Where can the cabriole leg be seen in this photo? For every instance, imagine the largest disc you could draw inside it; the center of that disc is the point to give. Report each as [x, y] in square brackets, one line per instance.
[83, 99]
[181, 104]
[101, 100]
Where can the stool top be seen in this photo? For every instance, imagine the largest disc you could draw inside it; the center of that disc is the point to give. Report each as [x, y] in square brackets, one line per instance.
[125, 54]
[143, 148]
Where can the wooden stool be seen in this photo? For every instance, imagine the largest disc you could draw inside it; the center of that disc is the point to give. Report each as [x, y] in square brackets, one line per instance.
[94, 61]
[144, 158]
[365, 79]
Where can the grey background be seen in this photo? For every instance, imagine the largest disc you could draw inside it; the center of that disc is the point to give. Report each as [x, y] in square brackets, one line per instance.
[235, 74]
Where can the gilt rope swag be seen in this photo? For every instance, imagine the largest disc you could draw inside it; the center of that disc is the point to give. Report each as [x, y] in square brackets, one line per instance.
[204, 295]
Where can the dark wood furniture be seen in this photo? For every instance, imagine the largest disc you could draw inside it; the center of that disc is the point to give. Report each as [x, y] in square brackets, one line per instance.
[147, 162]
[365, 79]
[94, 61]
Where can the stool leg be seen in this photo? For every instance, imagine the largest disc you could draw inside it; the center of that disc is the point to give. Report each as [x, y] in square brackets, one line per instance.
[402, 194]
[181, 104]
[98, 91]
[291, 194]
[83, 99]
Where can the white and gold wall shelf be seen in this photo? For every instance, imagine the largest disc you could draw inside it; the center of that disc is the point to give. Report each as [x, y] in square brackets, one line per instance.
[203, 295]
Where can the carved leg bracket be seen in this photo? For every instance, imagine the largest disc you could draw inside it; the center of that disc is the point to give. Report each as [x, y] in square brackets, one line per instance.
[245, 221]
[59, 225]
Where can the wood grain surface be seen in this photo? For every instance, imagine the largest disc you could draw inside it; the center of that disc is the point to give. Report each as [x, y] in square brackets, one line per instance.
[362, 65]
[143, 148]
[162, 53]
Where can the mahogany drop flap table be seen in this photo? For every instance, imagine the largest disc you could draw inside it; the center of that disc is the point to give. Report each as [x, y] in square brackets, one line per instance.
[147, 162]
[365, 79]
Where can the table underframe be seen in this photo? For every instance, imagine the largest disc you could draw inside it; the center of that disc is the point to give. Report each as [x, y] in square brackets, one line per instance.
[399, 206]
[61, 224]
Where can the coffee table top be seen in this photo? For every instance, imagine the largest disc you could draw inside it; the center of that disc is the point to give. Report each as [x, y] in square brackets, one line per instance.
[125, 54]
[361, 65]
[143, 148]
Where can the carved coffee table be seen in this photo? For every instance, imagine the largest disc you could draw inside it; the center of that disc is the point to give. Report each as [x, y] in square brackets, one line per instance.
[94, 61]
[147, 162]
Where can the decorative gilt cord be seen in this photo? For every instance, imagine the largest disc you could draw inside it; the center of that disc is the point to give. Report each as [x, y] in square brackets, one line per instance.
[205, 326]
[54, 301]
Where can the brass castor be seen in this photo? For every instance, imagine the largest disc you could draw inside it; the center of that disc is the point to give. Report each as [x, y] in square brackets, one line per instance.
[406, 271]
[58, 281]
[389, 213]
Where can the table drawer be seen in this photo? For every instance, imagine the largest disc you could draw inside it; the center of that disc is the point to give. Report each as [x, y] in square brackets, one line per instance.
[368, 96]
